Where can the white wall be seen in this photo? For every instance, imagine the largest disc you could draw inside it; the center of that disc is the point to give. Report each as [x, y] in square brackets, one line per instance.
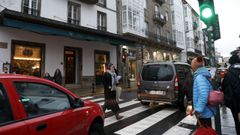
[11, 4]
[54, 9]
[54, 53]
[57, 10]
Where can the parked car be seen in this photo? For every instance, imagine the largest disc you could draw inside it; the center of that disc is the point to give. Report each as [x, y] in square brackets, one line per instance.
[169, 82]
[31, 105]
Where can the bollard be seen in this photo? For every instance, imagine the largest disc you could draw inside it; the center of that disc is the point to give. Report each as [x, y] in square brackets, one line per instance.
[93, 88]
[218, 121]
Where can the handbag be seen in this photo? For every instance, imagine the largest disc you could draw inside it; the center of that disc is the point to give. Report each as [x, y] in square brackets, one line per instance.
[215, 97]
[204, 130]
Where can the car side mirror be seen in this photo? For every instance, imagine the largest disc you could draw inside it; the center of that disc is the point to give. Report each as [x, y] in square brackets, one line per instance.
[78, 103]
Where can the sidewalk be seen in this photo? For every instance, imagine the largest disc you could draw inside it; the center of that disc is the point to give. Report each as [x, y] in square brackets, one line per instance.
[81, 92]
[227, 122]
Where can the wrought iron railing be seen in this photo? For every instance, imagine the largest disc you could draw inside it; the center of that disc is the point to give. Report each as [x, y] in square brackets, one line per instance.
[31, 11]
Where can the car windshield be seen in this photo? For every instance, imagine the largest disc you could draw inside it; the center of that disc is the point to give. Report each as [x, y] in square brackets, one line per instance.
[158, 72]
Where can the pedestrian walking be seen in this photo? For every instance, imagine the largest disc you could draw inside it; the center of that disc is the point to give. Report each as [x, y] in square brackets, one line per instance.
[109, 82]
[231, 89]
[201, 89]
[57, 78]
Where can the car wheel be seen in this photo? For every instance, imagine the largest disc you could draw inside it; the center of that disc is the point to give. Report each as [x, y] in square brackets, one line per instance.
[145, 103]
[97, 129]
[183, 103]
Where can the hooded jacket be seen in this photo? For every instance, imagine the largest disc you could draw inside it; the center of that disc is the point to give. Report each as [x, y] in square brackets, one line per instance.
[201, 89]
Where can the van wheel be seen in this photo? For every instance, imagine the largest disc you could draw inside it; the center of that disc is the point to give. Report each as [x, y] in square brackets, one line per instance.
[96, 129]
[145, 103]
[183, 103]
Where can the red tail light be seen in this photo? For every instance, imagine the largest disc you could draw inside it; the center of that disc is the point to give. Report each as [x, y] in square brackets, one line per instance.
[176, 83]
[138, 81]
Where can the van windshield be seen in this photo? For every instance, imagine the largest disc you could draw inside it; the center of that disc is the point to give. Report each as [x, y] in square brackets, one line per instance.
[158, 72]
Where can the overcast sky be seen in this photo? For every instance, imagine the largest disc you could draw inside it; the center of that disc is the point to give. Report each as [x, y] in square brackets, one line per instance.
[229, 21]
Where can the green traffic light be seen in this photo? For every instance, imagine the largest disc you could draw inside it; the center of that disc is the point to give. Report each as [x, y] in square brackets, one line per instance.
[207, 12]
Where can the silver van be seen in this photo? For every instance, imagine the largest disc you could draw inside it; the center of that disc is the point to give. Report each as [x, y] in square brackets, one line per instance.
[169, 82]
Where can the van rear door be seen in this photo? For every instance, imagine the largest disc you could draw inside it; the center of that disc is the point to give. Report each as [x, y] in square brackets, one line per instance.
[157, 79]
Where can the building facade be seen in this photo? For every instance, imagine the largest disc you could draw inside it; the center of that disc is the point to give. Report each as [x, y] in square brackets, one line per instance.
[178, 23]
[77, 36]
[193, 30]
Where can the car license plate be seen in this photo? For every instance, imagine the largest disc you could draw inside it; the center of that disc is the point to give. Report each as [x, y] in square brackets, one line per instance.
[157, 92]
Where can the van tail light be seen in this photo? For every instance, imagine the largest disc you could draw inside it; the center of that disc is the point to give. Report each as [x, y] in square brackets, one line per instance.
[176, 82]
[138, 81]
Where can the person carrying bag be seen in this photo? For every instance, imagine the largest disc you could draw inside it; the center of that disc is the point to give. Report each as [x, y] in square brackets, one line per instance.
[109, 82]
[201, 90]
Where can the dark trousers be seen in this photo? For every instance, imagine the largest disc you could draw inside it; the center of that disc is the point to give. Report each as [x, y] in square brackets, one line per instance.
[205, 122]
[236, 120]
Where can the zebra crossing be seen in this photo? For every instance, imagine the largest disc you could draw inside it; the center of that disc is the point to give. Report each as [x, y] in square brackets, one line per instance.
[144, 120]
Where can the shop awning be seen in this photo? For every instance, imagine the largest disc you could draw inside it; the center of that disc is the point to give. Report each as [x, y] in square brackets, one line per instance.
[46, 26]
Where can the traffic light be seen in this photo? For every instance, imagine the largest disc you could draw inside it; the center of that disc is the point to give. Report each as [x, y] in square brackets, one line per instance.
[207, 12]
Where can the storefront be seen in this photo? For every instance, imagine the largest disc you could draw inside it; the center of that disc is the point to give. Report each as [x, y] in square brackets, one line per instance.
[102, 58]
[27, 58]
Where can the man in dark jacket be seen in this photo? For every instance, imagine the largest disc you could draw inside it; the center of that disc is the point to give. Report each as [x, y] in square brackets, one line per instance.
[231, 89]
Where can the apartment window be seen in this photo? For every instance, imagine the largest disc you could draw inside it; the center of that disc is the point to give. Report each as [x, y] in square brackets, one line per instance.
[173, 17]
[102, 2]
[146, 29]
[158, 33]
[145, 4]
[31, 7]
[74, 13]
[102, 21]
[185, 11]
[166, 16]
[174, 34]
[187, 27]
[157, 9]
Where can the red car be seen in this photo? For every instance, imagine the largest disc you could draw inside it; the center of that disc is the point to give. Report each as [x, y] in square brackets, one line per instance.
[32, 106]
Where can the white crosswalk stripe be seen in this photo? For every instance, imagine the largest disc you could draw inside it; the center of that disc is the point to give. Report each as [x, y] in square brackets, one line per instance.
[127, 114]
[85, 98]
[96, 100]
[146, 123]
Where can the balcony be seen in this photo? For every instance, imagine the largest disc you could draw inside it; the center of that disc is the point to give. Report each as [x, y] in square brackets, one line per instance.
[160, 2]
[102, 28]
[89, 1]
[31, 11]
[159, 18]
[160, 39]
[73, 21]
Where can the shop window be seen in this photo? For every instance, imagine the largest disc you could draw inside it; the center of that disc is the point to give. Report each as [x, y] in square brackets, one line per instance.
[101, 59]
[27, 60]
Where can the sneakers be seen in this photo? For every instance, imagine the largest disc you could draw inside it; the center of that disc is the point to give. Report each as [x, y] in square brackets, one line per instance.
[118, 117]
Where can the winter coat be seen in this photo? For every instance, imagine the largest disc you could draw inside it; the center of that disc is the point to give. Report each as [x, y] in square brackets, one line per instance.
[231, 87]
[57, 77]
[201, 89]
[110, 92]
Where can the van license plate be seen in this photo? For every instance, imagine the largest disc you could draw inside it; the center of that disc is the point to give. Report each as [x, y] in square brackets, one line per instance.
[157, 92]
